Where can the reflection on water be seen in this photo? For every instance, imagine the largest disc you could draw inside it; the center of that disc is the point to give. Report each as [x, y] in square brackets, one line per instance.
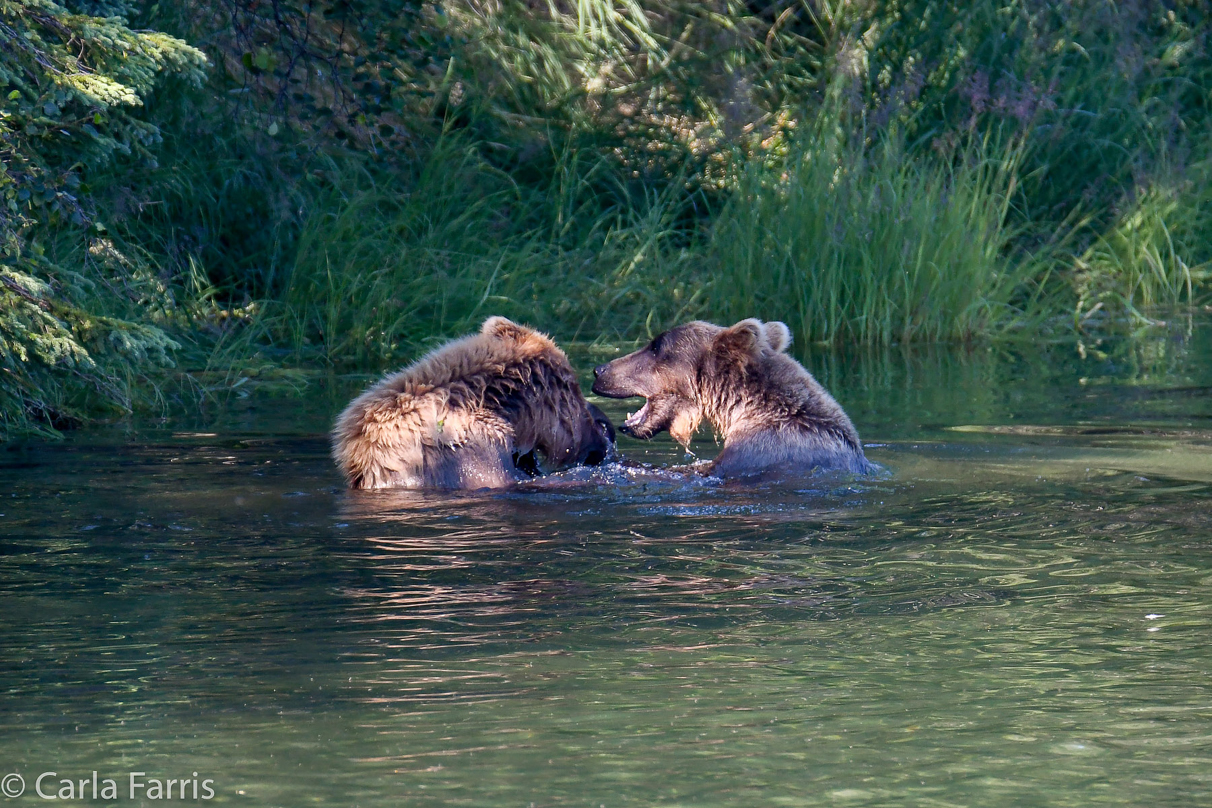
[1016, 611]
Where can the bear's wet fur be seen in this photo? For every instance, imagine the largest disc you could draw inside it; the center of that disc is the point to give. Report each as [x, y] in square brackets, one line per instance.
[769, 411]
[472, 414]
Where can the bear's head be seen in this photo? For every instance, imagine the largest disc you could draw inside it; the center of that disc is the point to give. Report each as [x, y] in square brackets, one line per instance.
[670, 372]
[560, 424]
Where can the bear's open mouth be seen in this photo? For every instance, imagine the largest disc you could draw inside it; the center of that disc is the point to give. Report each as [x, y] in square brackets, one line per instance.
[659, 413]
[638, 417]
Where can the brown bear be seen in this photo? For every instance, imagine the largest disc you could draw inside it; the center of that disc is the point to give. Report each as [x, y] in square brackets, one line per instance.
[768, 409]
[472, 414]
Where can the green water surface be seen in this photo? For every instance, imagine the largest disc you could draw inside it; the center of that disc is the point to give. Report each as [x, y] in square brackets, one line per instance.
[1016, 611]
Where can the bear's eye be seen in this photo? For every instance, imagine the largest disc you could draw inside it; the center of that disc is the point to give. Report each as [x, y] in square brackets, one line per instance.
[656, 345]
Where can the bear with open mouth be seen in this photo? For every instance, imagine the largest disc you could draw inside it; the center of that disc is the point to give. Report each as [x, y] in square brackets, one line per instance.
[770, 412]
[474, 413]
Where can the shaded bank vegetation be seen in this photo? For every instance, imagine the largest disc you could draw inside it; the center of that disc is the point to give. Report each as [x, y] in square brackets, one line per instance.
[257, 184]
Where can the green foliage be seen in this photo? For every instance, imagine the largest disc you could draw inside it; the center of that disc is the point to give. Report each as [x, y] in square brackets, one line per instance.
[383, 269]
[70, 83]
[866, 246]
[219, 200]
[62, 362]
[1145, 259]
[1099, 89]
[1097, 96]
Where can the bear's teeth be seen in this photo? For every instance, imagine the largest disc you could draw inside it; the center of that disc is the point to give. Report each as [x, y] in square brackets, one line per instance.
[638, 417]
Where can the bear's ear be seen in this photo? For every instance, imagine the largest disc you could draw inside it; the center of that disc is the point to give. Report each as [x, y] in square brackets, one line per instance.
[503, 328]
[746, 337]
[778, 335]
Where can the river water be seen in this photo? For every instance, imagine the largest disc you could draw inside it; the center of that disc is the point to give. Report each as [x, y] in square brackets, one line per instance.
[1016, 611]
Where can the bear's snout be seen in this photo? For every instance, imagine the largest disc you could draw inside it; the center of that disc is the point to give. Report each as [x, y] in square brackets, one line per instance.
[624, 377]
[601, 381]
[618, 378]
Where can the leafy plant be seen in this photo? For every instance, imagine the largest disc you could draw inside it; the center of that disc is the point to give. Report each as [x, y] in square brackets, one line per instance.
[71, 85]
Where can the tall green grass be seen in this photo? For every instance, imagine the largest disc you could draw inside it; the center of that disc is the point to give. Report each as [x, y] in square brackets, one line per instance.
[849, 243]
[871, 245]
[387, 264]
[1154, 256]
[383, 267]
[574, 195]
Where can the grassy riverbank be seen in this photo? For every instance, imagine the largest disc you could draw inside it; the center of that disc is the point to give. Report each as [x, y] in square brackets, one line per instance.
[341, 185]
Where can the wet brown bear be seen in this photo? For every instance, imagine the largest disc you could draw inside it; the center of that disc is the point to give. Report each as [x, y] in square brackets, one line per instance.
[472, 414]
[768, 409]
